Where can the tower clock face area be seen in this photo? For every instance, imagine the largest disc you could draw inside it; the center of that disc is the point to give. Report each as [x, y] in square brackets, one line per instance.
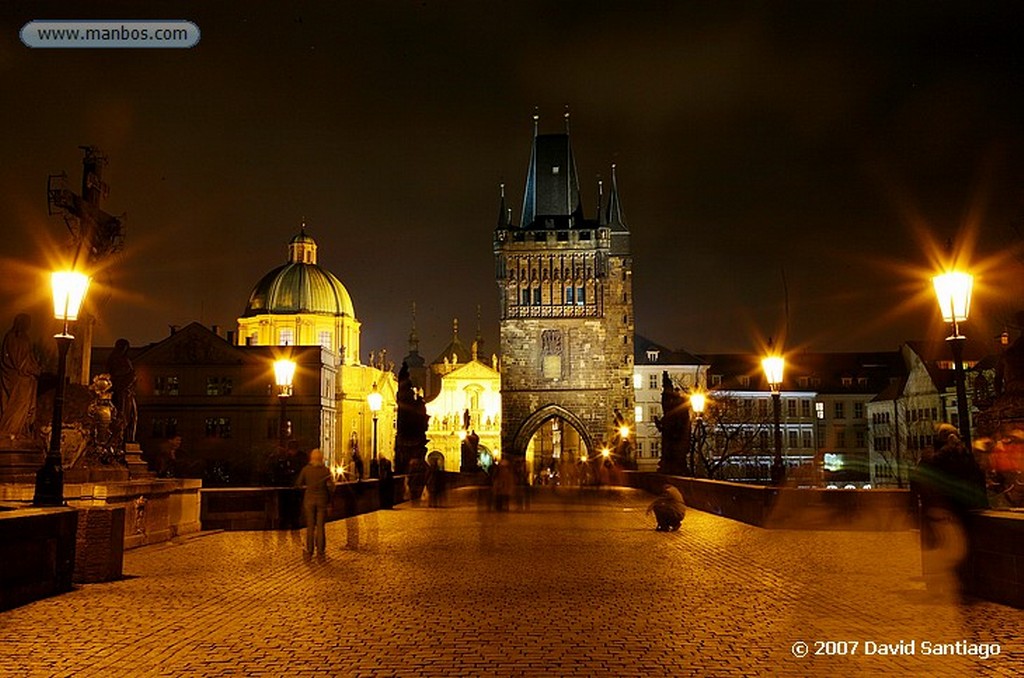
[565, 289]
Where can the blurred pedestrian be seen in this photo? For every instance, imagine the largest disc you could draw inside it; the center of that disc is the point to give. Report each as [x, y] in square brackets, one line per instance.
[503, 486]
[386, 484]
[318, 483]
[417, 480]
[949, 485]
[435, 483]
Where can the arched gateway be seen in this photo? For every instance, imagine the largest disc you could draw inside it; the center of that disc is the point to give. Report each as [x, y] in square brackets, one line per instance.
[566, 290]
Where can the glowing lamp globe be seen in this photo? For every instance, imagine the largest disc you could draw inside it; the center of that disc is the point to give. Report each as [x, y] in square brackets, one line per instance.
[698, 401]
[284, 374]
[69, 288]
[773, 367]
[953, 292]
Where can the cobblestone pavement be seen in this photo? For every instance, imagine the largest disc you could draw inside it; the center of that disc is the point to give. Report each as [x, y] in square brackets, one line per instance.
[584, 587]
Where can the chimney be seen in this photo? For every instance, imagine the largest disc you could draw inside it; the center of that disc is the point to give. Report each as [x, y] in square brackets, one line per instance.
[231, 337]
[215, 329]
[174, 329]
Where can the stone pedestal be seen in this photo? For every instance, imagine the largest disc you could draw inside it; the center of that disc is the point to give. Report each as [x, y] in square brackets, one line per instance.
[19, 461]
[138, 469]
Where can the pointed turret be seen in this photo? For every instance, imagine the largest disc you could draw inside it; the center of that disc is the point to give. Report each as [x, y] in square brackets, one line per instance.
[614, 216]
[504, 215]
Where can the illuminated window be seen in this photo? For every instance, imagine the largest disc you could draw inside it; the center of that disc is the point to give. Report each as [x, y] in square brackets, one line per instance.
[570, 294]
[638, 380]
[819, 410]
[286, 336]
[791, 410]
[581, 296]
[652, 381]
[325, 339]
[638, 413]
[218, 427]
[166, 385]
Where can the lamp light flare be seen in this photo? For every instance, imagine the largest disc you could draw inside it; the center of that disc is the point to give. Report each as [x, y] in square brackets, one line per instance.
[773, 367]
[698, 401]
[624, 432]
[284, 375]
[69, 288]
[375, 400]
[953, 292]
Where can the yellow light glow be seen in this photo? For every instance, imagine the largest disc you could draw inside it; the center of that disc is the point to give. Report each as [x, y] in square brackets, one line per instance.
[606, 453]
[375, 400]
[462, 435]
[284, 374]
[953, 292]
[698, 401]
[638, 380]
[624, 432]
[773, 367]
[69, 288]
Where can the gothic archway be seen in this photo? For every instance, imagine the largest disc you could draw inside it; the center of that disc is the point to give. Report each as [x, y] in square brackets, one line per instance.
[532, 423]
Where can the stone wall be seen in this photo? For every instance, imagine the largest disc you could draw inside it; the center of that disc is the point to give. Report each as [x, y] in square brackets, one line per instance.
[997, 556]
[37, 553]
[790, 508]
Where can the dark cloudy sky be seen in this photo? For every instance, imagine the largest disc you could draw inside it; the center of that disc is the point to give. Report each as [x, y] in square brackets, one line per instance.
[820, 143]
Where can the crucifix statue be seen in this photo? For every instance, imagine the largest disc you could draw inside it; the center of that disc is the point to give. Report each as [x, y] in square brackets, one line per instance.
[95, 235]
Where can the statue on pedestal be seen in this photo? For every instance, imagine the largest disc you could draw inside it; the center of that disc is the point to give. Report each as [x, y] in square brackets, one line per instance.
[674, 425]
[122, 379]
[19, 371]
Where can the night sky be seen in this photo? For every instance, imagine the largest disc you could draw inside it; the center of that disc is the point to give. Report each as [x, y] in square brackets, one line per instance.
[813, 151]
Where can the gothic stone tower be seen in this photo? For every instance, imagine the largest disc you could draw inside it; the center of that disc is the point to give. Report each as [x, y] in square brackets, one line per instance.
[565, 289]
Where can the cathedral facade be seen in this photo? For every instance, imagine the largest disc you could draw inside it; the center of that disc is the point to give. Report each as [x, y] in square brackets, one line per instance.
[566, 299]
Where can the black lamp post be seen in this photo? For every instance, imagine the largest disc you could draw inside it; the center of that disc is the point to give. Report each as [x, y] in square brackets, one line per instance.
[375, 400]
[953, 291]
[773, 366]
[698, 402]
[69, 288]
[284, 375]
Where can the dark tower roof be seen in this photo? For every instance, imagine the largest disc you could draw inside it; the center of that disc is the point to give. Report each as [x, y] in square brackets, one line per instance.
[613, 216]
[552, 185]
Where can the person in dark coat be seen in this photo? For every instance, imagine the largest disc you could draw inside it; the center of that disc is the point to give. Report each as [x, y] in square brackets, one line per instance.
[386, 484]
[435, 483]
[949, 485]
[669, 509]
[318, 483]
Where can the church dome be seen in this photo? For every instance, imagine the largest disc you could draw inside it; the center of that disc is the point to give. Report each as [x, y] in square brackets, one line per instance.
[300, 286]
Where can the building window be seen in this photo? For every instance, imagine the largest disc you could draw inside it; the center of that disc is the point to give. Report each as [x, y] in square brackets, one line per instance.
[325, 339]
[652, 381]
[218, 427]
[716, 380]
[858, 410]
[638, 413]
[218, 386]
[744, 381]
[805, 408]
[819, 410]
[840, 410]
[570, 295]
[655, 448]
[526, 297]
[861, 439]
[807, 439]
[166, 385]
[166, 427]
[840, 439]
[286, 336]
[639, 449]
[793, 439]
[638, 380]
[536, 296]
[791, 410]
[581, 296]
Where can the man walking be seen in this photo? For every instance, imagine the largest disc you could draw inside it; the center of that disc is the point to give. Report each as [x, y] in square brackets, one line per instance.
[318, 483]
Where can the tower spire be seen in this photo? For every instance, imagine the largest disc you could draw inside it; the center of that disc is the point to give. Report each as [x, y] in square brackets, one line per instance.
[536, 120]
[567, 118]
[614, 217]
[414, 337]
[600, 200]
[503, 212]
[479, 334]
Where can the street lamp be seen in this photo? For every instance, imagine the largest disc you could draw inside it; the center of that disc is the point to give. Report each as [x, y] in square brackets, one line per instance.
[284, 375]
[375, 400]
[773, 366]
[953, 292]
[698, 402]
[69, 288]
